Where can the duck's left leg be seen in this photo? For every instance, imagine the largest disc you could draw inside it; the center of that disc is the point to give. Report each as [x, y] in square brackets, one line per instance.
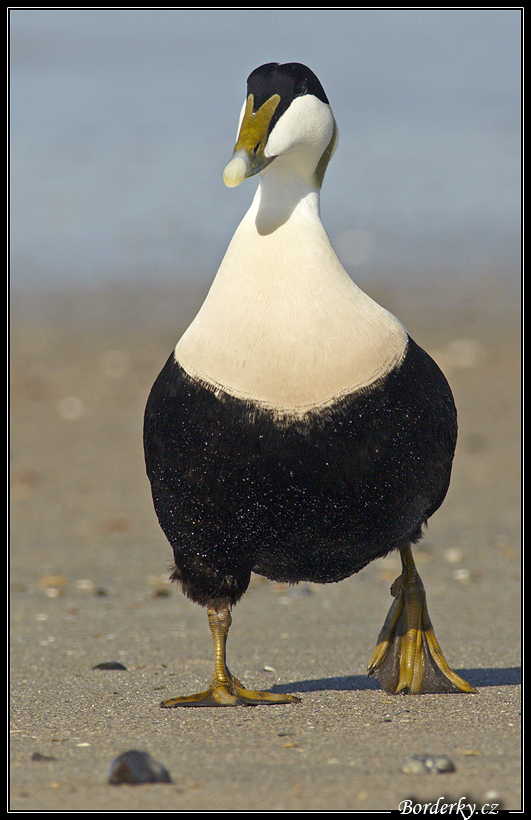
[407, 658]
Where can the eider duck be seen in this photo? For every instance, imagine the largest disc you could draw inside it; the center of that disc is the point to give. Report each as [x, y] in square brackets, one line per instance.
[297, 431]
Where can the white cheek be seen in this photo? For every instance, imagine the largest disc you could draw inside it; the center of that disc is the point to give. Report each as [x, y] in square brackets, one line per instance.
[308, 122]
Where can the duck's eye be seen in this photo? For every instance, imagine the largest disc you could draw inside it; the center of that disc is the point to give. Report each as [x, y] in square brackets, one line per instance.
[301, 88]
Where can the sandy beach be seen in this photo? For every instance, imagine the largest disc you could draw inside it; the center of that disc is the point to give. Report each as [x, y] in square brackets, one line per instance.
[89, 584]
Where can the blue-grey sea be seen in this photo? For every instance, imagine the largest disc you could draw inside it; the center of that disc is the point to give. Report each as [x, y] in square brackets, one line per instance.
[121, 121]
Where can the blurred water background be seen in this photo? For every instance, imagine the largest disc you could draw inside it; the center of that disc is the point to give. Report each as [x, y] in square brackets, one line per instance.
[121, 121]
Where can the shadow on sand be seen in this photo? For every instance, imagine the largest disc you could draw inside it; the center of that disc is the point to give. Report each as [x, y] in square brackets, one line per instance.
[508, 676]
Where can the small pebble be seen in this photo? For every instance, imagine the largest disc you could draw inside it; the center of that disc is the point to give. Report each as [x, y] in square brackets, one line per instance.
[428, 764]
[110, 665]
[84, 584]
[160, 586]
[54, 585]
[135, 767]
[453, 555]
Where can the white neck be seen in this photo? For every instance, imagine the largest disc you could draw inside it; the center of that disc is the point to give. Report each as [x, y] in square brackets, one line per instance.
[281, 196]
[283, 324]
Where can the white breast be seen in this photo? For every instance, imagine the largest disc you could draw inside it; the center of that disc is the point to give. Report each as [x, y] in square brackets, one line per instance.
[283, 324]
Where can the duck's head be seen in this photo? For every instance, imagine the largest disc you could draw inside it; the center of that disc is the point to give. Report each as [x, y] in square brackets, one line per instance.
[286, 119]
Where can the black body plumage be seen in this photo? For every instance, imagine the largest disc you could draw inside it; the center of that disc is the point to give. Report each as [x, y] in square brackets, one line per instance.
[315, 498]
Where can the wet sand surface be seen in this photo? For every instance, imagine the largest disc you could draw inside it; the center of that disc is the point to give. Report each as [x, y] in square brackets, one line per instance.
[89, 584]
